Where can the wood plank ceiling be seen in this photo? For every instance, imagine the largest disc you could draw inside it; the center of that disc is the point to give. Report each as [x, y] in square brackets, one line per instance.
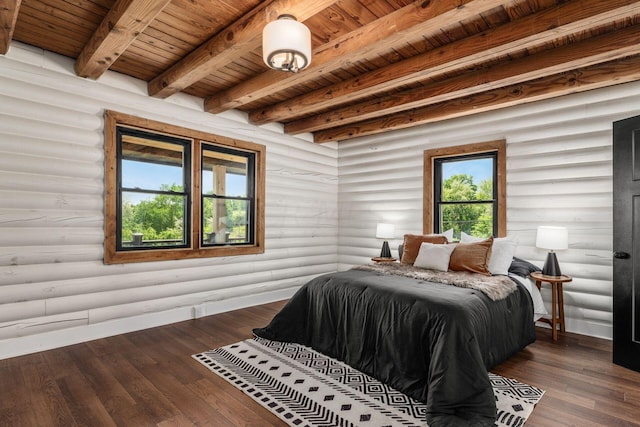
[377, 65]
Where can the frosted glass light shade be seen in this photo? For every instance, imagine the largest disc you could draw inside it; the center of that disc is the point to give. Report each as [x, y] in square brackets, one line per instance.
[385, 231]
[554, 238]
[286, 44]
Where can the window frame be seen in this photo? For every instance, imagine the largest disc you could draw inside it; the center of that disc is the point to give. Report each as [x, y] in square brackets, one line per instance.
[430, 180]
[113, 254]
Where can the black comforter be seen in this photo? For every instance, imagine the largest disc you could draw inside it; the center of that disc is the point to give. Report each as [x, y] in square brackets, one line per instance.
[434, 342]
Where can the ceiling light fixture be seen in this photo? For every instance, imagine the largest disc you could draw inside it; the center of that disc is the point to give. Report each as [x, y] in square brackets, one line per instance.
[286, 44]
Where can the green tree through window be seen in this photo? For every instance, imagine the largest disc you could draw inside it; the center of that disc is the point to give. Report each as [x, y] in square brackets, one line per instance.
[472, 218]
[157, 218]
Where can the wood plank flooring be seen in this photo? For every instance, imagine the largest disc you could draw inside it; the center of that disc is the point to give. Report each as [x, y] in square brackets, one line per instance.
[148, 378]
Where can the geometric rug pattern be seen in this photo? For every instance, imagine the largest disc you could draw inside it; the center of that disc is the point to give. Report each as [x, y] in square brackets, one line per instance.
[305, 388]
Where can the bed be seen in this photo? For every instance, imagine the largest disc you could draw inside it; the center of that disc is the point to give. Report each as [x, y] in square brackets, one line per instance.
[431, 334]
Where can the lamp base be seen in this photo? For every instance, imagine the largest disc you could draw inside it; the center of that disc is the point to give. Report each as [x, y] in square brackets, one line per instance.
[551, 266]
[385, 252]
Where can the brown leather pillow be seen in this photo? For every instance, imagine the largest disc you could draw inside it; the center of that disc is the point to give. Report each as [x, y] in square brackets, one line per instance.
[412, 242]
[473, 257]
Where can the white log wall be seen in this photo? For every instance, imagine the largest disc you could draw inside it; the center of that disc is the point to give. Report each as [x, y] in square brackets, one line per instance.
[323, 203]
[55, 289]
[559, 172]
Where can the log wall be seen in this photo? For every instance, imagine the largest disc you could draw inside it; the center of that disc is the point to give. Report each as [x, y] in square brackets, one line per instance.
[54, 287]
[322, 206]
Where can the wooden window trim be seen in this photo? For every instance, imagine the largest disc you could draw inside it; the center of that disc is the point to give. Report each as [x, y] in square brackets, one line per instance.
[483, 147]
[112, 256]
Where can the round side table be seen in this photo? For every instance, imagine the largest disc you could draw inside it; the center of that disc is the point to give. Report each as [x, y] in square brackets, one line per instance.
[557, 303]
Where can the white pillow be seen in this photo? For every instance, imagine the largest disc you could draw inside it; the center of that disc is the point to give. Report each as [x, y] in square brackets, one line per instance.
[448, 234]
[434, 257]
[502, 252]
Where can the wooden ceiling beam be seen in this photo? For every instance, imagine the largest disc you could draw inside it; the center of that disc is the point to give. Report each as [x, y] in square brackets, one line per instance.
[579, 80]
[239, 38]
[595, 50]
[411, 23]
[124, 22]
[534, 30]
[8, 16]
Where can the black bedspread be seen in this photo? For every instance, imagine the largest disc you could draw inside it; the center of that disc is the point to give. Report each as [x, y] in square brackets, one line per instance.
[433, 342]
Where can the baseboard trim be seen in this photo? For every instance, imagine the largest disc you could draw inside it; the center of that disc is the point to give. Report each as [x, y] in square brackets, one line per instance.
[591, 329]
[20, 346]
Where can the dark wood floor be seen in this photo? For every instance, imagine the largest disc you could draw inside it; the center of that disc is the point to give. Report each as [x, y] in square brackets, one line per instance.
[148, 378]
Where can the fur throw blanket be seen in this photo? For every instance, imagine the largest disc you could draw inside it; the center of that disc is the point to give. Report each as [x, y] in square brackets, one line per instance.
[495, 287]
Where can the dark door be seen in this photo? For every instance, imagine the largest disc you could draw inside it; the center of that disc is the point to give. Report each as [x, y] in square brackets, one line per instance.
[626, 243]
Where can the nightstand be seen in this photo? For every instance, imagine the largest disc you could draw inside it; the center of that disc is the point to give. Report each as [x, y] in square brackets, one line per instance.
[379, 259]
[557, 303]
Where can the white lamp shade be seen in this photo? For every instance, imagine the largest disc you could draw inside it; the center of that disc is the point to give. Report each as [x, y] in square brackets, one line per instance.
[385, 231]
[286, 44]
[553, 238]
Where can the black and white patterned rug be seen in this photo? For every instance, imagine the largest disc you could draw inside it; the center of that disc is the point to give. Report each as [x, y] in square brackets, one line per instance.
[306, 388]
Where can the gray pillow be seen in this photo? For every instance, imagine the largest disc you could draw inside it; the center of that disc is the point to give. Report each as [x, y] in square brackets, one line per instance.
[522, 268]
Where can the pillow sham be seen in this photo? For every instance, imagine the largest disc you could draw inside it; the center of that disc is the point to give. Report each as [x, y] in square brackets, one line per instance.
[501, 253]
[473, 257]
[434, 256]
[448, 234]
[412, 242]
[522, 267]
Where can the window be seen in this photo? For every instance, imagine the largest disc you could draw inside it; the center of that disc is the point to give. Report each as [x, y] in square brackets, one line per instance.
[175, 193]
[153, 197]
[465, 189]
[227, 196]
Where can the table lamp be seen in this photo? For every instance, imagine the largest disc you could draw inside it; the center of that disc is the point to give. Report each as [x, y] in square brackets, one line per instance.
[554, 239]
[385, 231]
